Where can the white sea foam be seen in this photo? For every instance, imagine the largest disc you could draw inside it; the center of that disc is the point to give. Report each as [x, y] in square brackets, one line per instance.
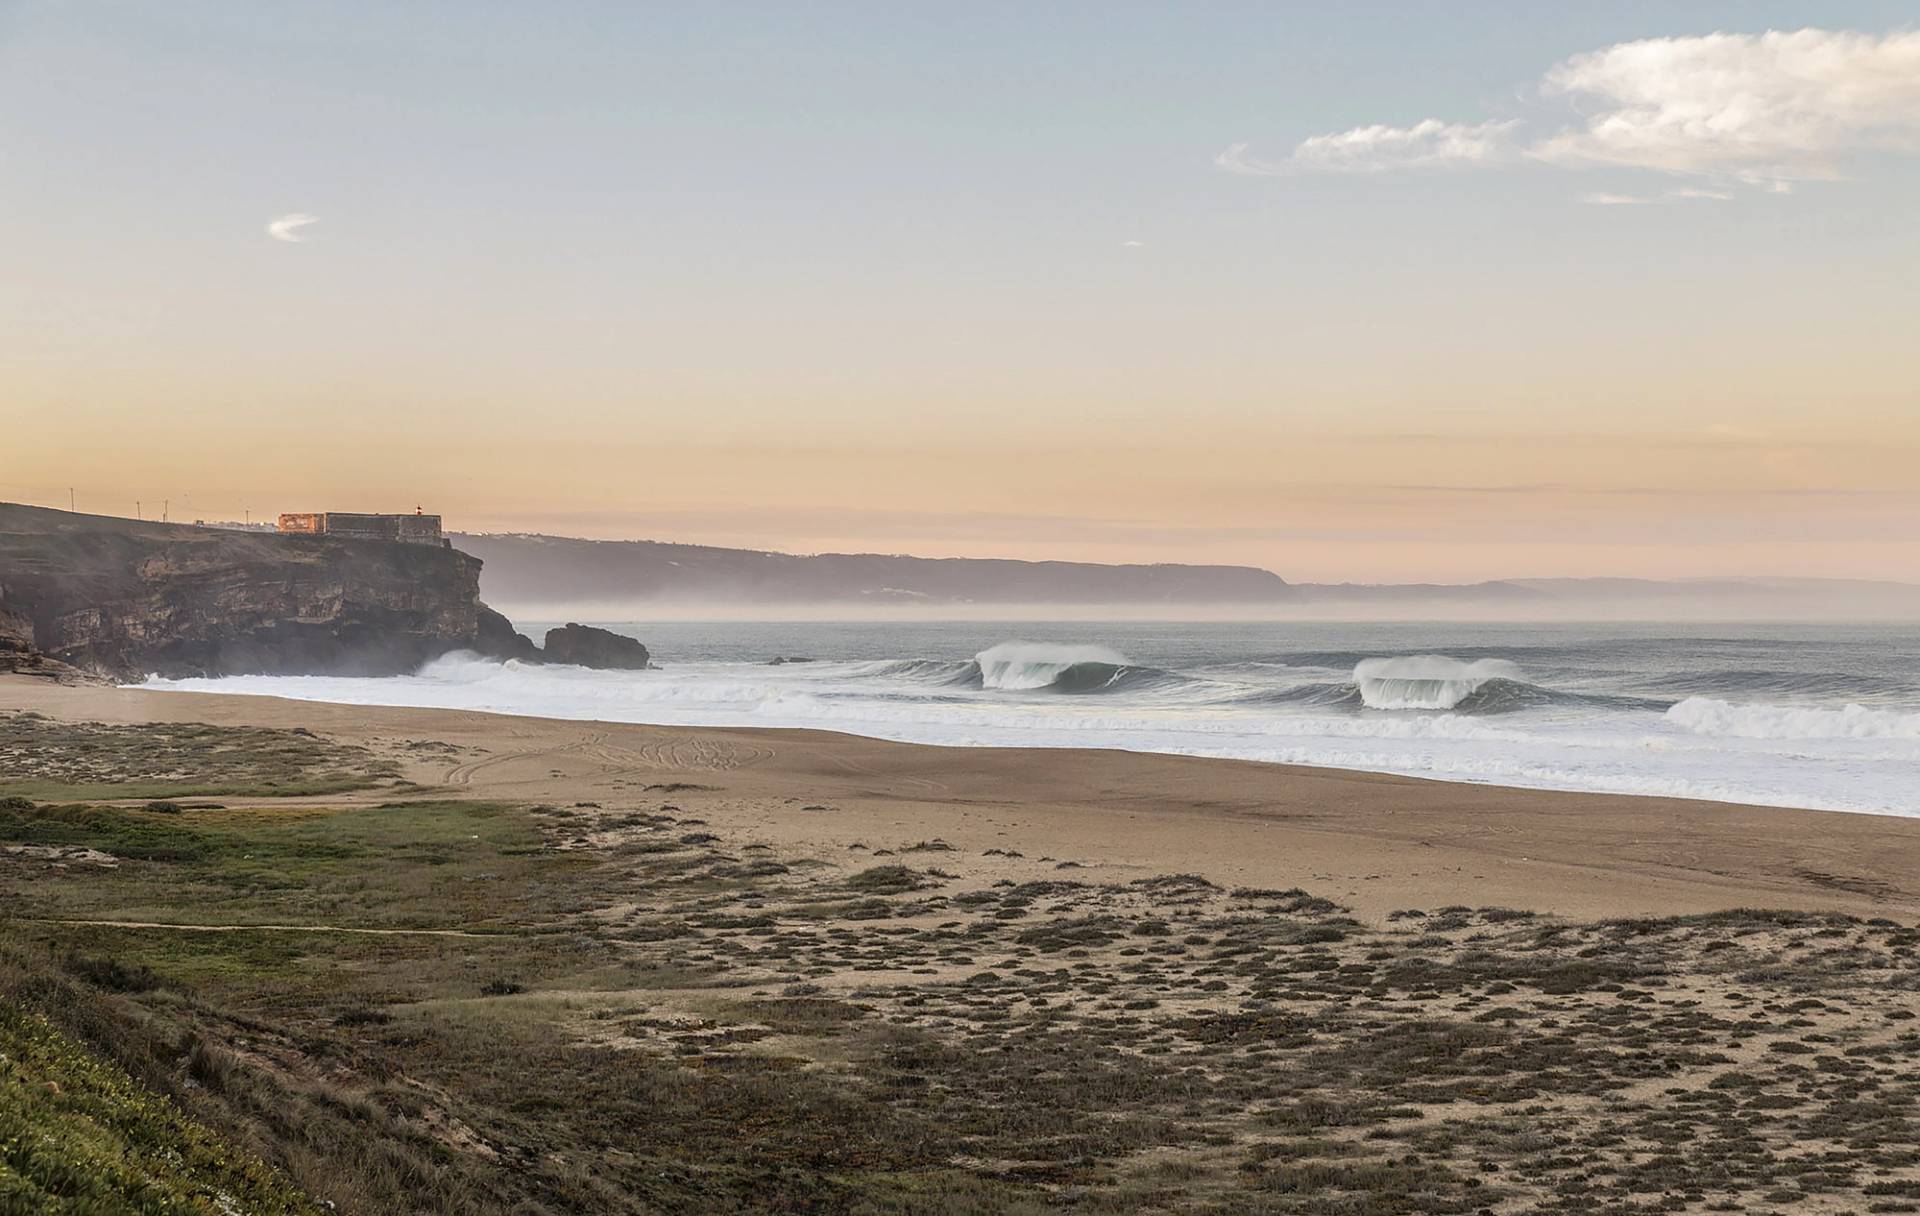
[1708, 716]
[1836, 758]
[1425, 681]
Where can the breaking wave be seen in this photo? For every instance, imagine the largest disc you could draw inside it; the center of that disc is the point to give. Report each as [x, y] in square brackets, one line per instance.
[1426, 681]
[1029, 666]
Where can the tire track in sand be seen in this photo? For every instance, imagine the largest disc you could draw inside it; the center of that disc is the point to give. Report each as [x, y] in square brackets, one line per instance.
[682, 753]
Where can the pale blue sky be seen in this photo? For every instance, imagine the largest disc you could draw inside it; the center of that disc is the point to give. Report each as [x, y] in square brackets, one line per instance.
[770, 246]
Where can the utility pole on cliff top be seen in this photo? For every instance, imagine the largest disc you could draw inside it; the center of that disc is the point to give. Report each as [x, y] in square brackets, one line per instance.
[70, 507]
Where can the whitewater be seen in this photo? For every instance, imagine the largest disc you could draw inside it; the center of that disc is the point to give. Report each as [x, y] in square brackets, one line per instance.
[1822, 717]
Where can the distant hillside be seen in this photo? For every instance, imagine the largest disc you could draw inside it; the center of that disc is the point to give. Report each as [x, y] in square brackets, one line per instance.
[1780, 597]
[1514, 593]
[526, 570]
[1619, 598]
[560, 576]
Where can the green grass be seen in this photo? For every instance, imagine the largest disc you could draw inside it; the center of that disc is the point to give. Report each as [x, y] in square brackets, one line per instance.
[401, 865]
[289, 785]
[77, 1135]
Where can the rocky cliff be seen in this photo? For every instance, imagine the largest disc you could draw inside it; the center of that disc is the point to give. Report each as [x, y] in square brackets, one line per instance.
[122, 598]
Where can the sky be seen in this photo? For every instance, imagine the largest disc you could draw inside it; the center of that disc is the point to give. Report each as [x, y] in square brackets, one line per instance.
[1394, 292]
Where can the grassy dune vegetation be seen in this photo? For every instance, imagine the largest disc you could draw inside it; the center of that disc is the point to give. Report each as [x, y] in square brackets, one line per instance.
[49, 760]
[77, 1135]
[429, 1006]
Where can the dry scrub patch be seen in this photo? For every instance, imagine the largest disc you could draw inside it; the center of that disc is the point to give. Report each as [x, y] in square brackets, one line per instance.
[666, 1015]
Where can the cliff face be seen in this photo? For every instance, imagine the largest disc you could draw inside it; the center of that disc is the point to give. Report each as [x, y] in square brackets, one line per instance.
[123, 598]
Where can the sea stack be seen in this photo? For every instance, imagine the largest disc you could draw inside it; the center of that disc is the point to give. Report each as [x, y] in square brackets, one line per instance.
[587, 646]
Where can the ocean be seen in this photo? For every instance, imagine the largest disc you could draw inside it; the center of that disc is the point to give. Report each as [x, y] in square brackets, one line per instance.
[1822, 716]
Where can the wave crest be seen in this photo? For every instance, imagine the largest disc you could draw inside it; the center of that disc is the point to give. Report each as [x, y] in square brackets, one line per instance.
[1024, 666]
[1426, 681]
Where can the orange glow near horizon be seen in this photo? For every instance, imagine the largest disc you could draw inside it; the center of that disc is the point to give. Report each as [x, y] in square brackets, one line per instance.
[961, 283]
[1326, 506]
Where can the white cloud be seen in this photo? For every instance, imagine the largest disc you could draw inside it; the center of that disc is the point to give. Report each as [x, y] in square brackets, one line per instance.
[1133, 244]
[1764, 109]
[1772, 107]
[1614, 200]
[287, 227]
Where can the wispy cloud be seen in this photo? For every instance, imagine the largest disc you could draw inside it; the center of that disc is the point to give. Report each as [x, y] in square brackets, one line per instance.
[1603, 198]
[1695, 192]
[1766, 110]
[288, 227]
[1430, 144]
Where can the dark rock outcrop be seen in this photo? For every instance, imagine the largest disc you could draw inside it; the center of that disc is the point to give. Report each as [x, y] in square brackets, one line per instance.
[586, 646]
[496, 638]
[19, 655]
[123, 598]
[16, 629]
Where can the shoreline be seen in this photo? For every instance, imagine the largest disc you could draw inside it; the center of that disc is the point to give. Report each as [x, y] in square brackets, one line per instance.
[1477, 720]
[1305, 766]
[1376, 842]
[1291, 765]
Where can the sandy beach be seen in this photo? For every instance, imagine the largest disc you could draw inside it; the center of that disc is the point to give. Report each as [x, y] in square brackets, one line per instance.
[479, 962]
[1376, 843]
